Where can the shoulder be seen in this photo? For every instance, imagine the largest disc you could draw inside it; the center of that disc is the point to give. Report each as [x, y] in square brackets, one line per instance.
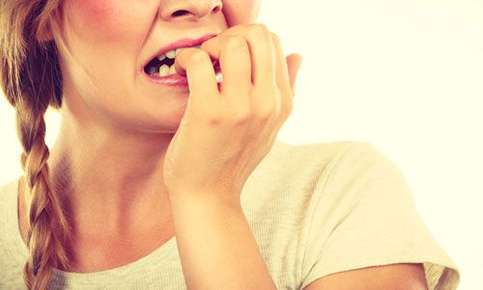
[317, 162]
[325, 153]
[314, 163]
[293, 179]
[322, 184]
[363, 198]
[350, 168]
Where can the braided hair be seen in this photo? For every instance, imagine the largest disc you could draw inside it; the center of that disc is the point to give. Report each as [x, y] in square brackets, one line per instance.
[31, 81]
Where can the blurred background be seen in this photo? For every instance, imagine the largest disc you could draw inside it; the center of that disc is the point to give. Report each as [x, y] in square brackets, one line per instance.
[406, 76]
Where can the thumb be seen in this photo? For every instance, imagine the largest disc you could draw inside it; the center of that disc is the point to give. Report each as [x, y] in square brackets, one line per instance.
[294, 61]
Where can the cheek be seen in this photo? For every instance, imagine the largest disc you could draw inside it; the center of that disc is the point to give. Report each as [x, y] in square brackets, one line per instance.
[100, 33]
[105, 20]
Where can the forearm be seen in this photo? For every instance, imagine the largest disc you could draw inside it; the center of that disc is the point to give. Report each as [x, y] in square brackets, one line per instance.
[216, 246]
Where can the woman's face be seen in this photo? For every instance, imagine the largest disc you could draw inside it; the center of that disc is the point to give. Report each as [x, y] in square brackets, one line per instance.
[108, 41]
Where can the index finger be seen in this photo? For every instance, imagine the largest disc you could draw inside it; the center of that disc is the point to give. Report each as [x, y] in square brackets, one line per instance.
[198, 68]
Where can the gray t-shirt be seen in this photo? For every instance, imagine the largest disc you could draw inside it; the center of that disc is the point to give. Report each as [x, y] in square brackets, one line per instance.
[314, 209]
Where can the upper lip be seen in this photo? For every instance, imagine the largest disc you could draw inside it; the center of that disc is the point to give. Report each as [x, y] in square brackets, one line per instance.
[184, 42]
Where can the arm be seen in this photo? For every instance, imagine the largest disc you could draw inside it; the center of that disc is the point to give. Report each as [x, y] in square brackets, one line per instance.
[216, 246]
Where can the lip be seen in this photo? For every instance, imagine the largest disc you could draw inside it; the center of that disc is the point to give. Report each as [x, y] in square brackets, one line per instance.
[184, 42]
[170, 80]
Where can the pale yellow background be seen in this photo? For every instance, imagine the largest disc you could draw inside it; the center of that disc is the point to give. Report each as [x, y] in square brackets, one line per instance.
[404, 75]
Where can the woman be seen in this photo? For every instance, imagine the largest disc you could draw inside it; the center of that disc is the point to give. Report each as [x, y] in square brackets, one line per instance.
[166, 173]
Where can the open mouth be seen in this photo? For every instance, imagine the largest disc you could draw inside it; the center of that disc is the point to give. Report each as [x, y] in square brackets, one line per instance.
[163, 65]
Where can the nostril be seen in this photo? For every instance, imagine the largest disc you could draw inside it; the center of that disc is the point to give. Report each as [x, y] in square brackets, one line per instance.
[179, 13]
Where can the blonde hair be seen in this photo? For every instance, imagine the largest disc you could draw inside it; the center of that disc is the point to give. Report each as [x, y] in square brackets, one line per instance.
[31, 80]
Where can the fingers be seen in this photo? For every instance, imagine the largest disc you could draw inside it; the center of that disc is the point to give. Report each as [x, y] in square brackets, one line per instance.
[282, 76]
[235, 64]
[294, 61]
[199, 71]
[263, 58]
[253, 64]
[260, 47]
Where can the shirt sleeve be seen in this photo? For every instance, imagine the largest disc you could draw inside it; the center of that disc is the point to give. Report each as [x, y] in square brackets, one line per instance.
[364, 215]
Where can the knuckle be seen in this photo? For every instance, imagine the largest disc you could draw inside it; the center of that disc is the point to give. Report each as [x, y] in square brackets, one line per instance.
[198, 56]
[275, 37]
[241, 117]
[287, 109]
[214, 119]
[234, 41]
[259, 30]
[263, 114]
[208, 116]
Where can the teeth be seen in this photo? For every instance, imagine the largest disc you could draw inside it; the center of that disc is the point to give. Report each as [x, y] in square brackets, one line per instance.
[172, 70]
[164, 70]
[171, 54]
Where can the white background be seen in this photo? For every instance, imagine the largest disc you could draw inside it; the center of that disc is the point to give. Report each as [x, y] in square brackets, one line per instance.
[406, 76]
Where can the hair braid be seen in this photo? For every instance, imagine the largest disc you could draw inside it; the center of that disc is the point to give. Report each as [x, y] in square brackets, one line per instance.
[47, 230]
[31, 80]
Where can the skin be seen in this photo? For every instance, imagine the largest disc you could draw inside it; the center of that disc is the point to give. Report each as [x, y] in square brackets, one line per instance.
[112, 116]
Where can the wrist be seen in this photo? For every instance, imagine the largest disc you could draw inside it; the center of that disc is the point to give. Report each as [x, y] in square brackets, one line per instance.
[205, 198]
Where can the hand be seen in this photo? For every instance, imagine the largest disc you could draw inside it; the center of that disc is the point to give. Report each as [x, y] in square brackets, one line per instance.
[225, 132]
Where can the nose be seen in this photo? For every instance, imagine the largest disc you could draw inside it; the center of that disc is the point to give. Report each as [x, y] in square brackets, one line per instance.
[189, 9]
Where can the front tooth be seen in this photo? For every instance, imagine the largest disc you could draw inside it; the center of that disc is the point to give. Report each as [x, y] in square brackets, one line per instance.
[164, 70]
[171, 54]
[161, 57]
[172, 70]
